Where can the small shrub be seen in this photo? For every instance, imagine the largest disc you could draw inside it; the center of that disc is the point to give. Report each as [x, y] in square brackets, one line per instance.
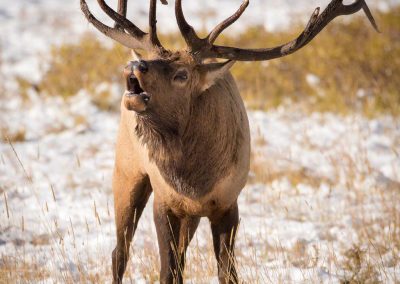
[359, 268]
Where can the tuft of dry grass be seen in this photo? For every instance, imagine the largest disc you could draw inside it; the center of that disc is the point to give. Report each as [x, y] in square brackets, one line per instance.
[17, 135]
[13, 269]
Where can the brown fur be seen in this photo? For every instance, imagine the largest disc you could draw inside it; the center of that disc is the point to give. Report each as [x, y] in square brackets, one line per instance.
[194, 160]
[191, 147]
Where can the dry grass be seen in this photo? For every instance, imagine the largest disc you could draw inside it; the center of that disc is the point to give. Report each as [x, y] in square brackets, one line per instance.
[17, 269]
[353, 244]
[328, 75]
[15, 136]
[372, 233]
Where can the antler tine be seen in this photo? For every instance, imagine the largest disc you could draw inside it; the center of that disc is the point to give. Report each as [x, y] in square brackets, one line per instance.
[335, 8]
[187, 31]
[318, 22]
[213, 35]
[135, 38]
[153, 23]
[122, 8]
[114, 33]
[355, 7]
[121, 20]
[315, 25]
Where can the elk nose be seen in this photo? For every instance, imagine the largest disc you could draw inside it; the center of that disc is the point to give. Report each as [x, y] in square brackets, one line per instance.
[142, 66]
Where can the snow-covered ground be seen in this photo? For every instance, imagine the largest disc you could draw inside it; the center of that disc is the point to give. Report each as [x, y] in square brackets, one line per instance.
[322, 203]
[321, 186]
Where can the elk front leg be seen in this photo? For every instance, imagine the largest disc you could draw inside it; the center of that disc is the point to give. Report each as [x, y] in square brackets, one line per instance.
[130, 198]
[224, 230]
[174, 234]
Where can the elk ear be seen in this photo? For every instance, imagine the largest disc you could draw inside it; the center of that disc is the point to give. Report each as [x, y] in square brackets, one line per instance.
[136, 56]
[211, 72]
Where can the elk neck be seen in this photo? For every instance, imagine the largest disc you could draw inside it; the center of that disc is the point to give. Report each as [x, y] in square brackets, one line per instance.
[193, 153]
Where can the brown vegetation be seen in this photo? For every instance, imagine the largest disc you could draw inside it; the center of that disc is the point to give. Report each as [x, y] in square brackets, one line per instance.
[364, 78]
[346, 79]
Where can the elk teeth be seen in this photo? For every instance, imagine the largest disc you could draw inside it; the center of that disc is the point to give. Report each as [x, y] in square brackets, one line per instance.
[129, 94]
[143, 94]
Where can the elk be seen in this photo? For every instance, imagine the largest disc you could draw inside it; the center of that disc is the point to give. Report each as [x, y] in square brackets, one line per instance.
[184, 134]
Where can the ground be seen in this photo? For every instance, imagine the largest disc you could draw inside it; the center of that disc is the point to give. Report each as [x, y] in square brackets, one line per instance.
[322, 203]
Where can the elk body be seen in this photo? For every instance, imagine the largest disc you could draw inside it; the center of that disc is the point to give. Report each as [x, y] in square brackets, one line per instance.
[184, 135]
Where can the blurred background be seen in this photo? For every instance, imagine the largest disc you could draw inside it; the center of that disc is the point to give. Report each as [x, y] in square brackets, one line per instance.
[347, 68]
[322, 202]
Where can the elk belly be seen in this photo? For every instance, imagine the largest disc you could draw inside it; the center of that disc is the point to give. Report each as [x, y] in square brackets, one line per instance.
[221, 197]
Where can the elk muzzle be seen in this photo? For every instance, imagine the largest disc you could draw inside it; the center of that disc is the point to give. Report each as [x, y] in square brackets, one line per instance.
[135, 98]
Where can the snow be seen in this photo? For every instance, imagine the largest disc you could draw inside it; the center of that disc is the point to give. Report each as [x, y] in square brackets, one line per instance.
[72, 231]
[321, 185]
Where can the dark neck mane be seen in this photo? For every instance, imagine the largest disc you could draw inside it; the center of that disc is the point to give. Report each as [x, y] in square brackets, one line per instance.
[194, 159]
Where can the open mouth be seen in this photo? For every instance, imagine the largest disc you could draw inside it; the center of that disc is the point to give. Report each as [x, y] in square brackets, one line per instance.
[136, 98]
[134, 85]
[134, 88]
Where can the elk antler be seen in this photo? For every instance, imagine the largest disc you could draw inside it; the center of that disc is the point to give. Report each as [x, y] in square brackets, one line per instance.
[204, 47]
[124, 31]
[122, 8]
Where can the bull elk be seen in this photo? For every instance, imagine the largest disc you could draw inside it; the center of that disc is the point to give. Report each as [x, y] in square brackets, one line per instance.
[184, 134]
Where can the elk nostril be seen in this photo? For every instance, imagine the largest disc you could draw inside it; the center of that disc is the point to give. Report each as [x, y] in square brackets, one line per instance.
[143, 67]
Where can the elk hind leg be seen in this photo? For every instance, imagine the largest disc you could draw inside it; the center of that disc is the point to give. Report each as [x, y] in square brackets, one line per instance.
[224, 228]
[188, 228]
[174, 234]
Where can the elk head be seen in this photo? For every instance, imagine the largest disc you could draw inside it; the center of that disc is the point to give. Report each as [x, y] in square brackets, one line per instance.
[167, 83]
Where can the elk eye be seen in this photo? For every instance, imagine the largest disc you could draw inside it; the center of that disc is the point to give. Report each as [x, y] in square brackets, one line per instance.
[181, 76]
